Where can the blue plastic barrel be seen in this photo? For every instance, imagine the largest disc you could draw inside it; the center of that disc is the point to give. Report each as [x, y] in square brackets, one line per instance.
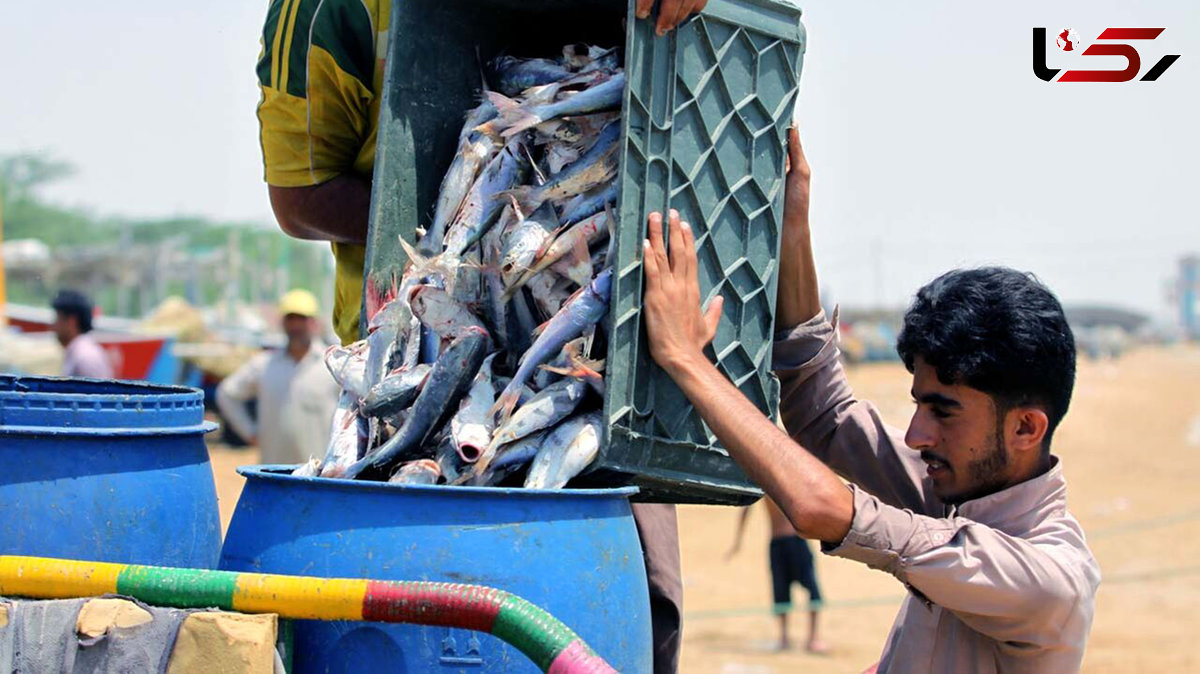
[107, 471]
[574, 552]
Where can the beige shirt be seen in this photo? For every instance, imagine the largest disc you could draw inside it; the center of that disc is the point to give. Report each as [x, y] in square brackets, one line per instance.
[84, 357]
[1003, 583]
[295, 404]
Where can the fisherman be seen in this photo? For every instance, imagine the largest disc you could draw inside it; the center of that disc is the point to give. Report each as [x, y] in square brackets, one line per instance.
[971, 517]
[295, 392]
[321, 75]
[82, 356]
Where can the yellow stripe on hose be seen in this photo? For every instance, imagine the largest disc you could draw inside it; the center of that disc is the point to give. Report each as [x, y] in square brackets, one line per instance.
[296, 597]
[56, 579]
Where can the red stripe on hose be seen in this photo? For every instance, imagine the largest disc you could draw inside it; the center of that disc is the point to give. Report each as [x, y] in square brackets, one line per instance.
[467, 606]
[578, 659]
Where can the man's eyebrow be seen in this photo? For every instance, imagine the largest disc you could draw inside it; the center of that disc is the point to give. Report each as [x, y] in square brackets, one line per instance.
[936, 399]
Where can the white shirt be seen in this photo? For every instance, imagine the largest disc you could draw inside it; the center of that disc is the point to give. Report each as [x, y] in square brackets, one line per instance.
[84, 357]
[295, 404]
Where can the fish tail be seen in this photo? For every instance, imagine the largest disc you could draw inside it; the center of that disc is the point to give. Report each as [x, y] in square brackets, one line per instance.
[505, 403]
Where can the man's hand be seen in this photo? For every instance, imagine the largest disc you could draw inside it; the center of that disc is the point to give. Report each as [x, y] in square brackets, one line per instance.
[671, 13]
[798, 297]
[796, 194]
[678, 330]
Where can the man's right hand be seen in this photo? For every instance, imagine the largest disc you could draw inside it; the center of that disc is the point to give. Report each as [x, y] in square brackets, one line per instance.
[796, 194]
[798, 297]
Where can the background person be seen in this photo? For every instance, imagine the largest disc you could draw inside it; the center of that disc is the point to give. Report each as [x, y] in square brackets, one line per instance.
[296, 394]
[82, 356]
[791, 562]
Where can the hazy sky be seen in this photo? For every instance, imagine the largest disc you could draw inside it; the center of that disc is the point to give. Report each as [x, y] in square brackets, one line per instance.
[932, 143]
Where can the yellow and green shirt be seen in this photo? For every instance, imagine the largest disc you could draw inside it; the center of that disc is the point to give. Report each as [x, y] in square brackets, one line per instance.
[321, 76]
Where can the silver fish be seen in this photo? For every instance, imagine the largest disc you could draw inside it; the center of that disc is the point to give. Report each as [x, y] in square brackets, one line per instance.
[421, 471]
[382, 332]
[448, 382]
[515, 118]
[343, 437]
[523, 242]
[396, 392]
[508, 460]
[348, 365]
[310, 468]
[550, 406]
[595, 167]
[578, 315]
[482, 207]
[590, 203]
[474, 152]
[514, 75]
[440, 312]
[573, 241]
[472, 426]
[542, 290]
[566, 452]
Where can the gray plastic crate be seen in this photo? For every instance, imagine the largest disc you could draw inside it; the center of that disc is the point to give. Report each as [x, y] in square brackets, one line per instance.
[706, 112]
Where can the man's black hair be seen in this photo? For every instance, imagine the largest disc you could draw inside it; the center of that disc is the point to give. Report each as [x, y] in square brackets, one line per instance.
[999, 331]
[75, 303]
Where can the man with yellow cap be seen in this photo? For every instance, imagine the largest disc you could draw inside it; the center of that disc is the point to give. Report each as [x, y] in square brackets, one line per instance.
[295, 392]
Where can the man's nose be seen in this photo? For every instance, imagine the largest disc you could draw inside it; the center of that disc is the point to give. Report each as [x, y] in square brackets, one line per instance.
[920, 433]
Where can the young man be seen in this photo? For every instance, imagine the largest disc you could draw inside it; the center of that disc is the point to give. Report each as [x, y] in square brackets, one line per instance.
[321, 75]
[82, 356]
[971, 517]
[791, 562]
[295, 392]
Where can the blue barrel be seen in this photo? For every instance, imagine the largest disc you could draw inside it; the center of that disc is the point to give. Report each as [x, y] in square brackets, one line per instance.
[573, 552]
[106, 471]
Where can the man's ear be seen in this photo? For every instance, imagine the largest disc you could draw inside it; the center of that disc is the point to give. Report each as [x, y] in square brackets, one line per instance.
[1025, 428]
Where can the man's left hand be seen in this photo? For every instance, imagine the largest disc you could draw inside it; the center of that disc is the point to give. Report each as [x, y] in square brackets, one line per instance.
[678, 329]
[671, 13]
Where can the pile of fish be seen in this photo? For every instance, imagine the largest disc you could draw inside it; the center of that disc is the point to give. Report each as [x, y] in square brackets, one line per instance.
[477, 367]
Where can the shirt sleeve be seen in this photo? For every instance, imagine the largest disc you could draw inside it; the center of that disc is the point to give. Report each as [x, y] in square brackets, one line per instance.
[819, 411]
[236, 390]
[1008, 588]
[315, 72]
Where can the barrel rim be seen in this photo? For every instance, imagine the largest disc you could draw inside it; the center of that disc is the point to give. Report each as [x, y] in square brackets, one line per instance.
[9, 384]
[273, 473]
[197, 429]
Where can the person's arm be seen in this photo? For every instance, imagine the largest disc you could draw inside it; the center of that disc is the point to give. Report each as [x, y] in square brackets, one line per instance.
[813, 498]
[670, 12]
[336, 210]
[739, 533]
[1015, 590]
[817, 405]
[315, 118]
[238, 389]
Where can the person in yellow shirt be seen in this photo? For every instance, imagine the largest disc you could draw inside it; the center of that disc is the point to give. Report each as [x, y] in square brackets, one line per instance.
[321, 74]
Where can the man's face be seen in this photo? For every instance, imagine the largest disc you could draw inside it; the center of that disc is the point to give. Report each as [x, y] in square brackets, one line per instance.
[956, 429]
[65, 328]
[298, 328]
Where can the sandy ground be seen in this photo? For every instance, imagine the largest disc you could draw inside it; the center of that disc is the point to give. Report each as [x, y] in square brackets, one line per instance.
[1131, 450]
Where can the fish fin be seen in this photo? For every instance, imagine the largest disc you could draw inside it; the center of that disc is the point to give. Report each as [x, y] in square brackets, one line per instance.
[537, 171]
[526, 198]
[540, 329]
[579, 267]
[589, 337]
[505, 404]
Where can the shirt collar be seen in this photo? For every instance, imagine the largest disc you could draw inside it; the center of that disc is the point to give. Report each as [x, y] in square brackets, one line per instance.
[1019, 508]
